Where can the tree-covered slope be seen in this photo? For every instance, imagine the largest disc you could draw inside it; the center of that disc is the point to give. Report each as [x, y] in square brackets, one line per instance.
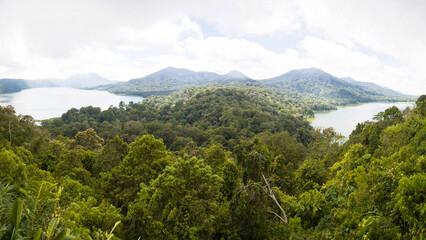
[316, 82]
[310, 82]
[283, 101]
[89, 80]
[169, 80]
[228, 114]
[220, 165]
[373, 87]
[12, 85]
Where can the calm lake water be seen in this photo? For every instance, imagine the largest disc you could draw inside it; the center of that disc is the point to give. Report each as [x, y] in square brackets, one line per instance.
[345, 119]
[44, 103]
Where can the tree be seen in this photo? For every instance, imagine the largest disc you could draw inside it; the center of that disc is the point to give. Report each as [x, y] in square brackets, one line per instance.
[112, 155]
[182, 203]
[146, 159]
[88, 140]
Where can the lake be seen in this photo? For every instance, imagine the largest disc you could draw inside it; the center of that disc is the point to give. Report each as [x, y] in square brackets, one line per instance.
[345, 119]
[44, 103]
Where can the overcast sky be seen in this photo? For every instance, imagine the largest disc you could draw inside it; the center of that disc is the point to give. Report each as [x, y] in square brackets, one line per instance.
[380, 41]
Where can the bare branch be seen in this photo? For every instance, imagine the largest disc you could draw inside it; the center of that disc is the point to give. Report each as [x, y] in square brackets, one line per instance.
[270, 192]
[283, 220]
[272, 196]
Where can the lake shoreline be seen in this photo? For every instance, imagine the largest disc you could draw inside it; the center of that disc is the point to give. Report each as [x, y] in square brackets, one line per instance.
[345, 118]
[51, 102]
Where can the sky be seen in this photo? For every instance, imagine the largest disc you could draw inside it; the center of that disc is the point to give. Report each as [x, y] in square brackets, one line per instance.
[380, 41]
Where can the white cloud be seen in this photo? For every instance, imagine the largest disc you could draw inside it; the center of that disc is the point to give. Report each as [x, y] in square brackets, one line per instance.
[379, 41]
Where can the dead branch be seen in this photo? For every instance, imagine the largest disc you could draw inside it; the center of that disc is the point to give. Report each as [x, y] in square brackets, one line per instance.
[272, 196]
[270, 192]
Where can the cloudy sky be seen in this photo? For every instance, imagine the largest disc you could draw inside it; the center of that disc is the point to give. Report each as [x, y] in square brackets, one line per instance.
[381, 41]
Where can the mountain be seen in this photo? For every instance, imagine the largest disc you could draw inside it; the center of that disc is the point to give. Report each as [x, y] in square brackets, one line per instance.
[375, 87]
[236, 74]
[311, 82]
[12, 85]
[85, 80]
[88, 80]
[316, 82]
[170, 80]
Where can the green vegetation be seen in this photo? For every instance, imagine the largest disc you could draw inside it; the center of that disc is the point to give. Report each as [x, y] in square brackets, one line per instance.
[12, 85]
[283, 101]
[310, 83]
[166, 81]
[214, 164]
[317, 83]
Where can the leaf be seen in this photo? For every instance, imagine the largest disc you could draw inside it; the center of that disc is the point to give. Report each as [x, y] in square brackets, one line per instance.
[110, 235]
[15, 217]
[52, 226]
[37, 235]
[61, 235]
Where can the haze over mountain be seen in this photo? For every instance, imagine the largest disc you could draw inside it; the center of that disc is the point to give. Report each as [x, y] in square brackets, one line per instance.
[83, 80]
[236, 74]
[86, 80]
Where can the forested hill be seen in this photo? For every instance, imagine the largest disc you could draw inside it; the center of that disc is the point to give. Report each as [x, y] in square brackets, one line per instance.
[380, 89]
[310, 82]
[169, 80]
[220, 165]
[12, 85]
[88, 80]
[316, 82]
[227, 115]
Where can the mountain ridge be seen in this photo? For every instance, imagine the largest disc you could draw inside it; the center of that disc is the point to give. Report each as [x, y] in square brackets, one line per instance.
[311, 81]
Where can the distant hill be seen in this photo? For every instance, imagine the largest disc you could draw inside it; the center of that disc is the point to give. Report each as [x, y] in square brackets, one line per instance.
[236, 74]
[12, 85]
[311, 81]
[170, 80]
[381, 89]
[86, 80]
[316, 82]
[89, 80]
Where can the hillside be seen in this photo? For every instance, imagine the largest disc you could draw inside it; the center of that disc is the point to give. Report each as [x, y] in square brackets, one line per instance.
[88, 80]
[84, 80]
[316, 82]
[310, 82]
[169, 80]
[283, 101]
[12, 85]
[372, 86]
[221, 165]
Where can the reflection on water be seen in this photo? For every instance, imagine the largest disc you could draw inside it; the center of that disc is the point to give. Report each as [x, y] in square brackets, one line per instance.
[345, 119]
[44, 103]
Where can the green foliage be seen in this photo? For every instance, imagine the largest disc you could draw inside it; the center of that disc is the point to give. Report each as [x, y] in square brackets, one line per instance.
[411, 203]
[220, 163]
[146, 159]
[180, 204]
[12, 85]
[88, 140]
[12, 169]
[112, 155]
